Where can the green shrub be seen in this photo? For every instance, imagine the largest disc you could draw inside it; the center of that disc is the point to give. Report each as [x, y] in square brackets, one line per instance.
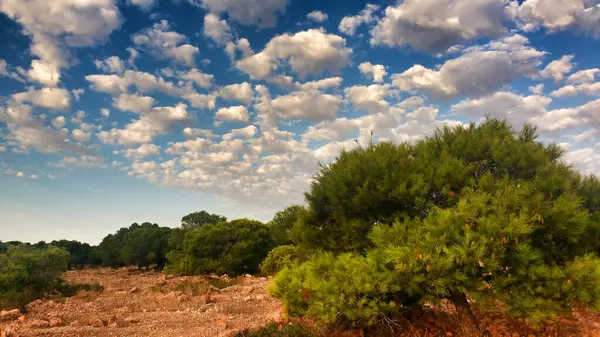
[279, 258]
[273, 330]
[27, 272]
[283, 222]
[233, 248]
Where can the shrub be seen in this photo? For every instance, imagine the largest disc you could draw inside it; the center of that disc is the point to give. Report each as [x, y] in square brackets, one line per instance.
[283, 222]
[233, 248]
[482, 210]
[279, 258]
[27, 272]
[273, 330]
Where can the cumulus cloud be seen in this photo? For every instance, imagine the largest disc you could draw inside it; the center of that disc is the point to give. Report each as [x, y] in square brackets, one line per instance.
[310, 52]
[478, 71]
[50, 98]
[369, 98]
[143, 151]
[247, 132]
[317, 16]
[376, 72]
[557, 69]
[134, 103]
[583, 76]
[590, 89]
[56, 25]
[111, 64]
[80, 135]
[557, 15]
[216, 29]
[201, 79]
[59, 122]
[237, 113]
[145, 5]
[163, 43]
[435, 25]
[262, 13]
[237, 92]
[349, 24]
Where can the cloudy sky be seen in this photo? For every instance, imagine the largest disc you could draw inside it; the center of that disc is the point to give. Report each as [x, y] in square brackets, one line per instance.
[113, 112]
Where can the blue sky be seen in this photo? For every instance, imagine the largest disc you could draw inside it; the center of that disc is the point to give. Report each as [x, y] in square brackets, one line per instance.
[113, 112]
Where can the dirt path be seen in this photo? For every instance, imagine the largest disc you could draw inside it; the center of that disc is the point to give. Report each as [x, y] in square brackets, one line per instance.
[148, 304]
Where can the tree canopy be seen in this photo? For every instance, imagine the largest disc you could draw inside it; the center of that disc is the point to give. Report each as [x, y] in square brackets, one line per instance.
[482, 209]
[201, 218]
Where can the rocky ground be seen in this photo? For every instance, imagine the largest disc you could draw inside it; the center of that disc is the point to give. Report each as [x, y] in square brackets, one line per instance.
[128, 302]
[147, 304]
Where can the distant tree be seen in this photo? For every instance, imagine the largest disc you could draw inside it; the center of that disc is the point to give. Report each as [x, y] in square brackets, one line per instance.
[201, 218]
[81, 254]
[109, 251]
[146, 245]
[283, 222]
[233, 248]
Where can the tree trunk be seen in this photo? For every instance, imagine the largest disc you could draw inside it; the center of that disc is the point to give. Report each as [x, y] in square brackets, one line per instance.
[463, 307]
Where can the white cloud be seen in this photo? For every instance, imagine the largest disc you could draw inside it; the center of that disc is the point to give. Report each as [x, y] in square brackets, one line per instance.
[20, 175]
[80, 135]
[309, 104]
[538, 89]
[516, 108]
[143, 151]
[583, 76]
[2, 148]
[56, 25]
[247, 132]
[349, 24]
[310, 52]
[586, 160]
[317, 16]
[78, 117]
[478, 71]
[134, 103]
[590, 89]
[201, 79]
[216, 29]
[105, 113]
[51, 98]
[3, 66]
[557, 15]
[59, 122]
[143, 130]
[369, 98]
[144, 83]
[111, 64]
[239, 92]
[195, 133]
[248, 12]
[163, 43]
[375, 72]
[322, 84]
[237, 113]
[145, 5]
[557, 69]
[435, 25]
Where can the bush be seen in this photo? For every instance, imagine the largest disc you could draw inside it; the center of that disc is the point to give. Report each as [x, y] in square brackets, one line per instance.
[283, 222]
[27, 272]
[482, 210]
[233, 248]
[279, 258]
[273, 330]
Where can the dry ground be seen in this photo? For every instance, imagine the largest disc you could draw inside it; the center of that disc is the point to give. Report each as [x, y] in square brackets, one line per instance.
[148, 304]
[134, 303]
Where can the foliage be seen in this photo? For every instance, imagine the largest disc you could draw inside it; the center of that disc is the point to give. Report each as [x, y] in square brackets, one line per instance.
[279, 258]
[142, 245]
[479, 209]
[273, 330]
[198, 219]
[27, 272]
[283, 222]
[233, 248]
[80, 254]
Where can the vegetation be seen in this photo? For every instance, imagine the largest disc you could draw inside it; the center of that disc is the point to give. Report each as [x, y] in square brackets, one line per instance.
[279, 258]
[233, 248]
[481, 211]
[80, 254]
[273, 330]
[27, 272]
[283, 222]
[198, 219]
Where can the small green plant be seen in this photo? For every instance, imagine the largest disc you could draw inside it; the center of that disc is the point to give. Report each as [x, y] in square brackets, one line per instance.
[273, 330]
[279, 258]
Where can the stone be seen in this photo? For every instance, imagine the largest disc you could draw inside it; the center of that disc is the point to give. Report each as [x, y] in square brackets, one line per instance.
[223, 323]
[96, 322]
[38, 324]
[162, 281]
[9, 315]
[10, 331]
[131, 320]
[55, 321]
[134, 290]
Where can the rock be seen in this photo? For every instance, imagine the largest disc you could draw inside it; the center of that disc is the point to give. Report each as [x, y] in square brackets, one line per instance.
[10, 331]
[222, 323]
[161, 281]
[131, 320]
[55, 321]
[96, 322]
[21, 319]
[260, 297]
[75, 323]
[9, 315]
[183, 298]
[206, 298]
[38, 324]
[133, 290]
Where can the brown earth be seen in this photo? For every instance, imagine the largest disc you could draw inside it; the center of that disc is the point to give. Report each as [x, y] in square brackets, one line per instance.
[149, 304]
[134, 303]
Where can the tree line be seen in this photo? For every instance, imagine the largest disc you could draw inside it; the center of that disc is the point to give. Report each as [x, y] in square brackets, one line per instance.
[478, 214]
